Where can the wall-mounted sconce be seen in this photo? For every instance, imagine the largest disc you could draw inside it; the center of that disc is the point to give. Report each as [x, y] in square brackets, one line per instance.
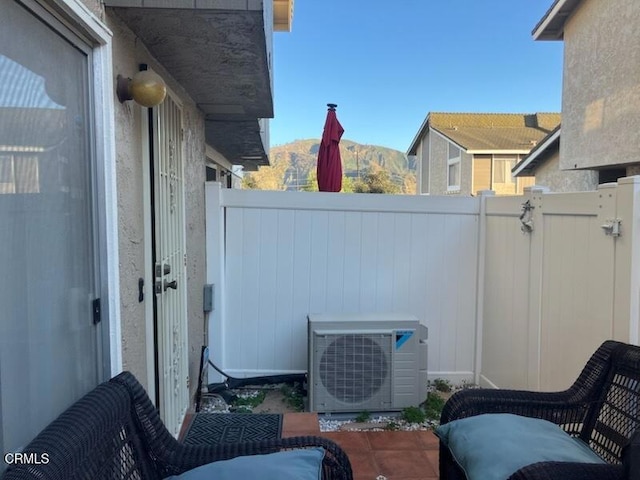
[146, 88]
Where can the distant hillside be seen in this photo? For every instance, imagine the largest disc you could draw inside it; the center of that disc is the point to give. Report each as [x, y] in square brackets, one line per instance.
[300, 158]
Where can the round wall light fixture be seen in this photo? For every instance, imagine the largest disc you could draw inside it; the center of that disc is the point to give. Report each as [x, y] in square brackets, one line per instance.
[145, 88]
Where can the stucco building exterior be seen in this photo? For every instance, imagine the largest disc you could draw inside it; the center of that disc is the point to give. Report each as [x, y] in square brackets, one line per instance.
[102, 200]
[543, 163]
[600, 91]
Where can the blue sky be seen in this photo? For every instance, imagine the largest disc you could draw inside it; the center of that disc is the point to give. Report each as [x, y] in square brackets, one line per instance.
[387, 64]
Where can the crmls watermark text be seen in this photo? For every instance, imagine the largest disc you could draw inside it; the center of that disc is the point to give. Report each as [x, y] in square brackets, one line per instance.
[19, 458]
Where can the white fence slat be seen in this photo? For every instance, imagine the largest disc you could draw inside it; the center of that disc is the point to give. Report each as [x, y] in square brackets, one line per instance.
[301, 286]
[245, 343]
[352, 262]
[265, 321]
[319, 254]
[284, 285]
[386, 234]
[335, 260]
[419, 296]
[400, 293]
[465, 332]
[368, 257]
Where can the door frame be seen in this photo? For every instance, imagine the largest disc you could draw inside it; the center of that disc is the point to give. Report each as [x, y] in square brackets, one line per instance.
[154, 376]
[149, 300]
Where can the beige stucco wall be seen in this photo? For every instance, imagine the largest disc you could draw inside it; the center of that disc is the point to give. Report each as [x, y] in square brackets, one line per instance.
[195, 174]
[434, 157]
[131, 241]
[633, 170]
[548, 174]
[601, 90]
[128, 52]
[438, 164]
[423, 166]
[466, 174]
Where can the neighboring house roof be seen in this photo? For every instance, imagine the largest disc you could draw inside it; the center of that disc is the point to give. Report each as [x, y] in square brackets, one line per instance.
[551, 26]
[282, 15]
[489, 132]
[542, 152]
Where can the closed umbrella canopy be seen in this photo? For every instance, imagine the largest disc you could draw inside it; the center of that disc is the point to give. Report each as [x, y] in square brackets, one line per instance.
[329, 162]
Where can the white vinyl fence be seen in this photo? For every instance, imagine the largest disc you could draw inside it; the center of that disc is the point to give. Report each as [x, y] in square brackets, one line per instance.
[503, 307]
[284, 255]
[553, 294]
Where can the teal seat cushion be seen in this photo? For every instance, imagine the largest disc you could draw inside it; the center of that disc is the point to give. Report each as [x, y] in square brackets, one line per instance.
[301, 464]
[494, 446]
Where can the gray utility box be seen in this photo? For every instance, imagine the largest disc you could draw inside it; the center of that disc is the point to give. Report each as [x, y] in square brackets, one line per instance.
[374, 362]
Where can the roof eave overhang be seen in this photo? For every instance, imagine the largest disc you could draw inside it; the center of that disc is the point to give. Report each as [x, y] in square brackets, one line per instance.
[413, 148]
[240, 142]
[220, 56]
[551, 26]
[527, 166]
[498, 151]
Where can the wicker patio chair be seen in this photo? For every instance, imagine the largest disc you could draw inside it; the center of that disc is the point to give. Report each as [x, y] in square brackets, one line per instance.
[602, 408]
[114, 432]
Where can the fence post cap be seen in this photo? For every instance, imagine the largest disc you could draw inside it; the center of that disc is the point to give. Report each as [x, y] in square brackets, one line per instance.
[486, 193]
[537, 189]
[635, 179]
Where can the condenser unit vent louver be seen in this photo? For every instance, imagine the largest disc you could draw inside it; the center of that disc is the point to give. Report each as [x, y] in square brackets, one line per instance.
[365, 362]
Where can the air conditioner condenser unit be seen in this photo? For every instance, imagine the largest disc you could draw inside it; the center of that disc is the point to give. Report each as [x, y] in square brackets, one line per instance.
[366, 362]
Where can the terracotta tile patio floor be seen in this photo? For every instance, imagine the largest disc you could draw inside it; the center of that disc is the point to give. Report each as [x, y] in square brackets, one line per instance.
[395, 455]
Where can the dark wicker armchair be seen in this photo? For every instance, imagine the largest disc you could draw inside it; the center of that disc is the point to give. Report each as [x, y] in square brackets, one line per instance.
[114, 432]
[602, 408]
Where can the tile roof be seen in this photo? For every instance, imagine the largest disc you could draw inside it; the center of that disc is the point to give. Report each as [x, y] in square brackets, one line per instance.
[494, 131]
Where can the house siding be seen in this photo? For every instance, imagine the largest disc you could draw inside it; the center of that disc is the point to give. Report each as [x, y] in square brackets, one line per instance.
[423, 165]
[548, 174]
[438, 161]
[129, 173]
[466, 174]
[127, 54]
[434, 167]
[481, 173]
[194, 174]
[601, 92]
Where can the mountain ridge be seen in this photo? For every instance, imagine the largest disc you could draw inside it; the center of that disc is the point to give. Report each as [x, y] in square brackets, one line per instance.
[297, 159]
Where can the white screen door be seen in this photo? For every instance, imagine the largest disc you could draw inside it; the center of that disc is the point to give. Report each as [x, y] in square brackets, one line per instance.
[169, 264]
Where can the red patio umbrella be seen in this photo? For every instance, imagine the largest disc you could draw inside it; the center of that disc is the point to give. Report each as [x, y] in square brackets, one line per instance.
[329, 162]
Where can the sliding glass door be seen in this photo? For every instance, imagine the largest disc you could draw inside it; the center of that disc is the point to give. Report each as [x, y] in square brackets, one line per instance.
[49, 345]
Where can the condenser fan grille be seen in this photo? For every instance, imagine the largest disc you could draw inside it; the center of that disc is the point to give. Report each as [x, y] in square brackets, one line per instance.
[354, 367]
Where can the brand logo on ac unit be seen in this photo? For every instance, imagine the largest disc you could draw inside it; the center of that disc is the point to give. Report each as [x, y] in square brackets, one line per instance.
[402, 336]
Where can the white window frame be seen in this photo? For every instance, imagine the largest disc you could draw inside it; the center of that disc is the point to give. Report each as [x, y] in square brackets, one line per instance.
[78, 17]
[509, 178]
[452, 161]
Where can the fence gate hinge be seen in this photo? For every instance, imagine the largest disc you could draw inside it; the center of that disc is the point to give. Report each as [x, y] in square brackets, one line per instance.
[612, 227]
